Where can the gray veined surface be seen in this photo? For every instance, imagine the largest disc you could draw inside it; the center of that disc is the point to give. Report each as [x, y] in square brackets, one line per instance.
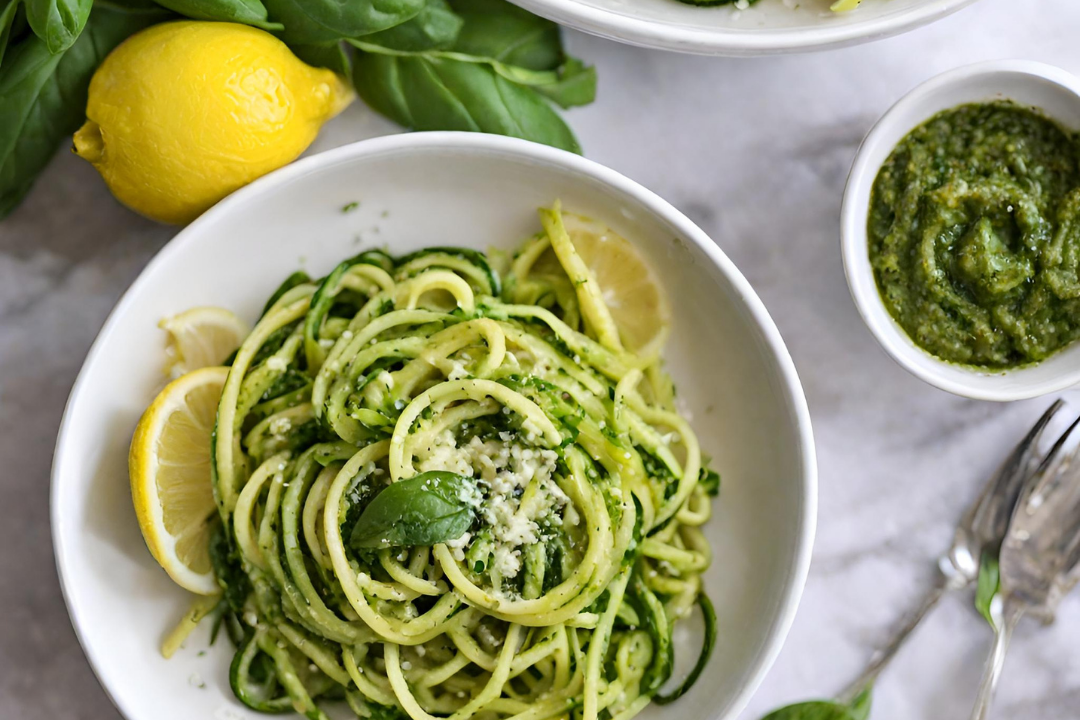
[756, 152]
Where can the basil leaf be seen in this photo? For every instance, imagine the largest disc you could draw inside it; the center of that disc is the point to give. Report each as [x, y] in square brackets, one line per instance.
[43, 97]
[504, 32]
[710, 482]
[825, 710]
[576, 85]
[435, 28]
[516, 38]
[989, 583]
[431, 508]
[132, 6]
[310, 22]
[814, 710]
[58, 22]
[332, 55]
[247, 12]
[228, 570]
[860, 706]
[7, 19]
[437, 93]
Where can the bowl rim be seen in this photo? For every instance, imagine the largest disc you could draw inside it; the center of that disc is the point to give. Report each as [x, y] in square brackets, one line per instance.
[854, 242]
[733, 42]
[492, 145]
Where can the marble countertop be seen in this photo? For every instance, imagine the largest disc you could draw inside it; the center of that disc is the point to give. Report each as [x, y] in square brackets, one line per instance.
[756, 152]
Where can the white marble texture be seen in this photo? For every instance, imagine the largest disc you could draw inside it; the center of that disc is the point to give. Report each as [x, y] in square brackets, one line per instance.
[756, 152]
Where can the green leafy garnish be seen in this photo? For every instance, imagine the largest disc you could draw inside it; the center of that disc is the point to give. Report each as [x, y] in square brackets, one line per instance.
[859, 709]
[431, 508]
[57, 22]
[496, 71]
[474, 65]
[988, 586]
[247, 12]
[43, 95]
[710, 482]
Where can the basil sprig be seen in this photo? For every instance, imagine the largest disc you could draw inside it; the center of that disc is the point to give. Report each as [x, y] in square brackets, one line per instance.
[495, 70]
[247, 12]
[988, 585]
[431, 508]
[859, 709]
[477, 65]
[58, 22]
[43, 96]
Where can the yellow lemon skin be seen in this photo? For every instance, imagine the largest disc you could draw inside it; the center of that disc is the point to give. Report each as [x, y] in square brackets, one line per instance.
[184, 113]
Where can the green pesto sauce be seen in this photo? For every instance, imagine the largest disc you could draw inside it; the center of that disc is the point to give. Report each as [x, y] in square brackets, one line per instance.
[974, 231]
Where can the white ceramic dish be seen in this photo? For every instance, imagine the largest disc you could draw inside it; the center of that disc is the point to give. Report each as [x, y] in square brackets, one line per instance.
[416, 191]
[1057, 94]
[770, 26]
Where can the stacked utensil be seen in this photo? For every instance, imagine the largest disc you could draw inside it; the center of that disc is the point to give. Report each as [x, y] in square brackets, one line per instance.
[1022, 533]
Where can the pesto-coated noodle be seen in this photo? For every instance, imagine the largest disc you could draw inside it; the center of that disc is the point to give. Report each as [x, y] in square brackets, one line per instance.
[543, 535]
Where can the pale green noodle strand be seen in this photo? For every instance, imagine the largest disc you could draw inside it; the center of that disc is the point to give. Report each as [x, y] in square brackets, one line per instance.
[581, 544]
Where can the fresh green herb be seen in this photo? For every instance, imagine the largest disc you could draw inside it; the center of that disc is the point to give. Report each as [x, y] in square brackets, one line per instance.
[497, 76]
[860, 706]
[7, 20]
[435, 28]
[228, 571]
[859, 709]
[247, 12]
[431, 508]
[477, 65]
[332, 55]
[319, 21]
[428, 93]
[43, 96]
[988, 586]
[386, 712]
[58, 22]
[349, 207]
[710, 481]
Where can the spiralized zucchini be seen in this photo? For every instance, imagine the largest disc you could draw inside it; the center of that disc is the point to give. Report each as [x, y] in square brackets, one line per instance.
[544, 536]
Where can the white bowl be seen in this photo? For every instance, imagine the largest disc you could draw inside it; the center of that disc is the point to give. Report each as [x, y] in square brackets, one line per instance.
[1057, 94]
[770, 26]
[415, 191]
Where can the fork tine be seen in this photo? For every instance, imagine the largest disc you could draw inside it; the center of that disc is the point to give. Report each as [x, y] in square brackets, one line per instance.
[994, 507]
[1029, 445]
[1043, 479]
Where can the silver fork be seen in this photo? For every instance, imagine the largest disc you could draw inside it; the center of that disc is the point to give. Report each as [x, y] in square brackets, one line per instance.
[1039, 556]
[983, 526]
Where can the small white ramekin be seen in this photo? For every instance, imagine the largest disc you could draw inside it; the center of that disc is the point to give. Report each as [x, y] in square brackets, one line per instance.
[1057, 94]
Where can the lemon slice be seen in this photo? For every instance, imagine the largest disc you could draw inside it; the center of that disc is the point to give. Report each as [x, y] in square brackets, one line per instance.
[628, 286]
[169, 465]
[201, 337]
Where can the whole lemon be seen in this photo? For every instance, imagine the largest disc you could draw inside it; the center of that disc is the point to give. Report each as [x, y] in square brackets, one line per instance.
[184, 113]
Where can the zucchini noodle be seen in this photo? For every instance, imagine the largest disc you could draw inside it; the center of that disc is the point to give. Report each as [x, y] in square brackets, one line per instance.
[544, 532]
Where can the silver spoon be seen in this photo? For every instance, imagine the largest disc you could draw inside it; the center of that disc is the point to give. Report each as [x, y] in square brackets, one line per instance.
[982, 526]
[1039, 557]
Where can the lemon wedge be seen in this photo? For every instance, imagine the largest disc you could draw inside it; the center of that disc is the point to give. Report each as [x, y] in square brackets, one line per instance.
[201, 337]
[628, 286]
[169, 466]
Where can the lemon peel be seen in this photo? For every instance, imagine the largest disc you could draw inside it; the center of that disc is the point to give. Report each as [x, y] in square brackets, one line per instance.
[184, 113]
